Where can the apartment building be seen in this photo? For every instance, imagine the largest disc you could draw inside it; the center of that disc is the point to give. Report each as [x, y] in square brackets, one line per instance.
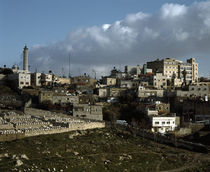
[173, 69]
[159, 81]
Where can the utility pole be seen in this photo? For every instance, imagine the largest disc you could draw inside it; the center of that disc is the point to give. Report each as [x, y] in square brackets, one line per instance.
[69, 65]
[63, 74]
[94, 73]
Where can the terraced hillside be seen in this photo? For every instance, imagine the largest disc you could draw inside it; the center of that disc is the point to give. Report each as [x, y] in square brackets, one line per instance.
[97, 150]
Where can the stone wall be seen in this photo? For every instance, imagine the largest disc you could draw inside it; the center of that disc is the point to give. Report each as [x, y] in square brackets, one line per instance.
[10, 137]
[55, 123]
[38, 112]
[72, 127]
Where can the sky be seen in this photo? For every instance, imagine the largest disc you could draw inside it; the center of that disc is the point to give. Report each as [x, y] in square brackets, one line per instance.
[100, 34]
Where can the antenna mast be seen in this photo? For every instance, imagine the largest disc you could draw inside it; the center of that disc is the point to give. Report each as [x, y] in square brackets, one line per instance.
[69, 65]
[94, 73]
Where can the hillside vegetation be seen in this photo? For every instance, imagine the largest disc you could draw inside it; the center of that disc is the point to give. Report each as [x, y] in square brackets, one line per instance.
[96, 150]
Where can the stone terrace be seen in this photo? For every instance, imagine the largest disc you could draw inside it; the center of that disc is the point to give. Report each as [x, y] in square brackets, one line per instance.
[39, 122]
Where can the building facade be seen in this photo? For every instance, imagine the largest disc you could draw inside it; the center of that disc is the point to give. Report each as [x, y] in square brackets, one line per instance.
[173, 69]
[36, 79]
[20, 80]
[165, 123]
[87, 111]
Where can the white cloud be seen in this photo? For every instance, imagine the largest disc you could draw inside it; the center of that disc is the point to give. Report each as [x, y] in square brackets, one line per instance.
[173, 10]
[106, 26]
[175, 31]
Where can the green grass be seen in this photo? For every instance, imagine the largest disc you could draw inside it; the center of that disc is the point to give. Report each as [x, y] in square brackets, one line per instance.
[94, 150]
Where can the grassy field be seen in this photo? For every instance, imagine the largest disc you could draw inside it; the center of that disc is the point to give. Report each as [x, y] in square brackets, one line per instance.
[96, 150]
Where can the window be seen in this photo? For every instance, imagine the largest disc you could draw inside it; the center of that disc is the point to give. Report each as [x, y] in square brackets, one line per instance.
[168, 122]
[156, 122]
[163, 122]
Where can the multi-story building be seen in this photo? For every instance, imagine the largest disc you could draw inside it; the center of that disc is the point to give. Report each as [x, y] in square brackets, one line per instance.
[173, 69]
[20, 80]
[154, 80]
[167, 66]
[159, 81]
[36, 79]
[194, 69]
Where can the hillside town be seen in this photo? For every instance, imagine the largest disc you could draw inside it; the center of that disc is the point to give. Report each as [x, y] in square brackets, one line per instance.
[164, 96]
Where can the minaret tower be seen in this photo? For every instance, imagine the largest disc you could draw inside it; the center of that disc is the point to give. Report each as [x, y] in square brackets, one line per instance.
[25, 58]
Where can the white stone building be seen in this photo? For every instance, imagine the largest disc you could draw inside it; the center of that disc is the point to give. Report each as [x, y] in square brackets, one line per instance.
[159, 81]
[164, 124]
[20, 80]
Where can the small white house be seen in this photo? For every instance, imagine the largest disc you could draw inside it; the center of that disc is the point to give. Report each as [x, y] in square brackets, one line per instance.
[20, 80]
[165, 123]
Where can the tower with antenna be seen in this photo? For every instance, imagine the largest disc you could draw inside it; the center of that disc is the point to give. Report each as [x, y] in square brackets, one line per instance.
[25, 58]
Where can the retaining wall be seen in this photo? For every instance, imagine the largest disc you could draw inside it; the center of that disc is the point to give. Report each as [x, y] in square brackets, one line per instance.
[171, 141]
